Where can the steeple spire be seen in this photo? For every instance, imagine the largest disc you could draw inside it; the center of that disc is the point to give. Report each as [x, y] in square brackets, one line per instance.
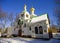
[25, 8]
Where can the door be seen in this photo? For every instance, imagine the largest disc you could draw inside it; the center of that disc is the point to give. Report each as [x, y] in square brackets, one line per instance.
[20, 32]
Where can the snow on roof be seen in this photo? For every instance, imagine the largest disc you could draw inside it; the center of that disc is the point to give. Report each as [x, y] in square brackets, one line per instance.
[39, 18]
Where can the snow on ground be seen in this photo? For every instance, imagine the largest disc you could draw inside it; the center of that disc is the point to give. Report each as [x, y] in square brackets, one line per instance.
[27, 40]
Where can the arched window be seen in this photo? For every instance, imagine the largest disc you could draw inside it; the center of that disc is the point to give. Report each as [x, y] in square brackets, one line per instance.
[36, 30]
[26, 15]
[25, 25]
[30, 28]
[20, 22]
[40, 26]
[40, 30]
[22, 15]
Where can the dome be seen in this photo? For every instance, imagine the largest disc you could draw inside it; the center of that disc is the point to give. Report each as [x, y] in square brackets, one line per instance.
[25, 12]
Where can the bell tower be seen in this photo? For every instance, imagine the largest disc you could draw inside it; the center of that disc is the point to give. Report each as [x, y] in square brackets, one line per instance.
[25, 14]
[32, 11]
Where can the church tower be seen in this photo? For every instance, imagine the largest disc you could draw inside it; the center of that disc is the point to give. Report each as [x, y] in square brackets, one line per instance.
[32, 12]
[25, 14]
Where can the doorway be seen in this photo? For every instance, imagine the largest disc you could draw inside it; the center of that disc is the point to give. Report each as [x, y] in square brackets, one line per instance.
[19, 32]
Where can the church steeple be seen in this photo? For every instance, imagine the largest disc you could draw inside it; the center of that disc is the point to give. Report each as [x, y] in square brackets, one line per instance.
[25, 14]
[25, 8]
[32, 10]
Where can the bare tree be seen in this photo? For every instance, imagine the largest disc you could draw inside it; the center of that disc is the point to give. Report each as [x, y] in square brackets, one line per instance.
[17, 18]
[11, 18]
[3, 18]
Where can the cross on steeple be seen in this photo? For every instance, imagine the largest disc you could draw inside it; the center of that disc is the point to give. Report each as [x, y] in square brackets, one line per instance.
[25, 8]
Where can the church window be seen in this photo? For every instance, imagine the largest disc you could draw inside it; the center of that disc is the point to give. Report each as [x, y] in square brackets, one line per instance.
[23, 31]
[22, 15]
[40, 30]
[36, 30]
[30, 28]
[45, 31]
[20, 22]
[26, 15]
[25, 25]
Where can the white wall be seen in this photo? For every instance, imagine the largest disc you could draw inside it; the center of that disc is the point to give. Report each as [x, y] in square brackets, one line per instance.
[15, 31]
[26, 31]
[41, 23]
[12, 31]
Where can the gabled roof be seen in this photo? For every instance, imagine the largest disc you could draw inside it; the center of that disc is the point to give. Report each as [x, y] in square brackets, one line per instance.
[39, 18]
[32, 16]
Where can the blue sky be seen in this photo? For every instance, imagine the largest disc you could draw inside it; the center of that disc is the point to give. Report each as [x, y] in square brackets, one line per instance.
[41, 6]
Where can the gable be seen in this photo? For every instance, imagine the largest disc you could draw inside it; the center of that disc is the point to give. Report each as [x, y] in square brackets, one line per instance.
[39, 18]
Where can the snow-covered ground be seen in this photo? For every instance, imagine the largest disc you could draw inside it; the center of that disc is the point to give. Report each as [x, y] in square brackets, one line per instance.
[27, 40]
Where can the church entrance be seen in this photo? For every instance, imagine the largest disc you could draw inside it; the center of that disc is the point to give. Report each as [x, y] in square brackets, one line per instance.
[19, 32]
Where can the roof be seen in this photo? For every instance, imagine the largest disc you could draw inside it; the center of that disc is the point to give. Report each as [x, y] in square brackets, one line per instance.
[33, 16]
[39, 18]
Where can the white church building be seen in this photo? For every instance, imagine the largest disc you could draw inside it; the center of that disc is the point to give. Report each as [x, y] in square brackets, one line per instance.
[32, 25]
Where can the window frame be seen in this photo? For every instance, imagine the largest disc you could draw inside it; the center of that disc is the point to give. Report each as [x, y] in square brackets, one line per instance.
[36, 30]
[30, 28]
[40, 30]
[25, 25]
